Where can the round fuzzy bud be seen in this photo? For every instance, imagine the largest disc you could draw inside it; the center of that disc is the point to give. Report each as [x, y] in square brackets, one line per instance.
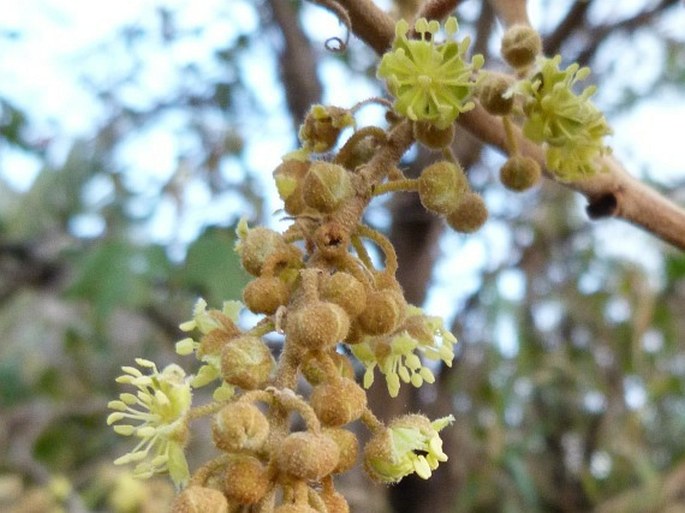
[265, 294]
[314, 372]
[356, 333]
[289, 177]
[384, 311]
[198, 499]
[339, 402]
[520, 45]
[307, 455]
[247, 479]
[441, 187]
[491, 94]
[344, 290]
[431, 136]
[326, 185]
[470, 215]
[246, 362]
[317, 325]
[240, 425]
[335, 502]
[258, 245]
[348, 445]
[520, 173]
[322, 127]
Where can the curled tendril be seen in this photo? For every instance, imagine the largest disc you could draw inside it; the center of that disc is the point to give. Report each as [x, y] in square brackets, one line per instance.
[336, 44]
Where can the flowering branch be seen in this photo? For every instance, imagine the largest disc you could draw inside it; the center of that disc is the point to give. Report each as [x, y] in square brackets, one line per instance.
[611, 193]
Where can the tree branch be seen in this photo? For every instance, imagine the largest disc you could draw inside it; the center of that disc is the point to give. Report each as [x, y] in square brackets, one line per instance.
[612, 193]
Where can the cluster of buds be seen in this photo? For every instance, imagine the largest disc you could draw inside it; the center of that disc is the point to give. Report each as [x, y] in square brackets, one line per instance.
[316, 285]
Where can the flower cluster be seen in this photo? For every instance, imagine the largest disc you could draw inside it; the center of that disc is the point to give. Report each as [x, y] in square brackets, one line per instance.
[570, 125]
[395, 355]
[316, 287]
[159, 410]
[430, 81]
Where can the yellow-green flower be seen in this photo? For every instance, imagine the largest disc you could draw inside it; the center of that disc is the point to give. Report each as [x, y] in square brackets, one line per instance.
[430, 81]
[570, 125]
[395, 355]
[410, 444]
[159, 414]
[216, 327]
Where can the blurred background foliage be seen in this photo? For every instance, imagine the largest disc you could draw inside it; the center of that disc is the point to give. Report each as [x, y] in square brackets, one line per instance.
[568, 387]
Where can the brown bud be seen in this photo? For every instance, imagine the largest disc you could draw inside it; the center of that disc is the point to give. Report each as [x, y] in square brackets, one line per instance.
[246, 362]
[314, 372]
[431, 136]
[345, 290]
[317, 325]
[240, 425]
[289, 177]
[322, 127]
[491, 94]
[348, 447]
[247, 479]
[258, 245]
[198, 499]
[307, 455]
[385, 309]
[520, 45]
[520, 173]
[470, 215]
[265, 294]
[338, 402]
[441, 187]
[326, 185]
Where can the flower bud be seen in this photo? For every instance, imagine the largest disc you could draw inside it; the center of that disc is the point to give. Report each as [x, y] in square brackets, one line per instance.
[259, 244]
[492, 92]
[520, 45]
[347, 445]
[433, 137]
[344, 290]
[338, 402]
[247, 479]
[326, 185]
[246, 362]
[519, 173]
[441, 187]
[265, 294]
[322, 127]
[240, 426]
[317, 325]
[384, 310]
[289, 177]
[307, 455]
[198, 499]
[314, 372]
[470, 215]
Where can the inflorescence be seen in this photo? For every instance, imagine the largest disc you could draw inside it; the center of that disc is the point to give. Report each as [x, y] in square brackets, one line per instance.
[317, 286]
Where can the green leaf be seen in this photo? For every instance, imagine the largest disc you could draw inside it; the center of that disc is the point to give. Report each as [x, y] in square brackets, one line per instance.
[212, 268]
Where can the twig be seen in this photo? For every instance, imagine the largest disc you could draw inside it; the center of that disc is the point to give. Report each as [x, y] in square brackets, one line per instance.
[610, 193]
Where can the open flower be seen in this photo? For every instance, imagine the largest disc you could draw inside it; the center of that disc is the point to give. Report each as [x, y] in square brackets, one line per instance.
[410, 444]
[430, 81]
[570, 125]
[395, 355]
[159, 414]
[216, 328]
